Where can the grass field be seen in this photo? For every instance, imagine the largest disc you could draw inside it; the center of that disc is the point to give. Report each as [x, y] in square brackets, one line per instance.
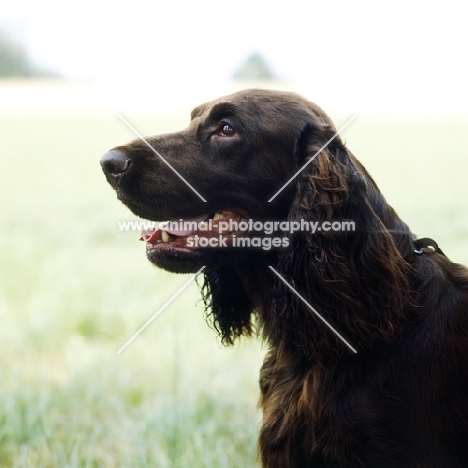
[73, 289]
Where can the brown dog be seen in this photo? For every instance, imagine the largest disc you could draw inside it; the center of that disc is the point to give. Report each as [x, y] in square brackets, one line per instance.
[401, 401]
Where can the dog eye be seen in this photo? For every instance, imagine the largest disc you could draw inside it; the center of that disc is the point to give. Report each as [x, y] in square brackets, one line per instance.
[226, 130]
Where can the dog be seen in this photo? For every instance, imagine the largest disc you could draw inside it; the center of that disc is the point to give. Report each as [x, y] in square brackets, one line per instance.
[367, 329]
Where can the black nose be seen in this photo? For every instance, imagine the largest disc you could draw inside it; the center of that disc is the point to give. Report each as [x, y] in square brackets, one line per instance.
[114, 163]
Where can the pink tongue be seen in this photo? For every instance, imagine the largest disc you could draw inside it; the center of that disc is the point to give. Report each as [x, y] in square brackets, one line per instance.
[150, 235]
[177, 229]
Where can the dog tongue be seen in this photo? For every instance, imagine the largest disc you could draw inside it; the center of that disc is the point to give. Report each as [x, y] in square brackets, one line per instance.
[177, 228]
[152, 235]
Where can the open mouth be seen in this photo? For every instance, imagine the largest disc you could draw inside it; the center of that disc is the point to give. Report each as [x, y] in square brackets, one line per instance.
[214, 230]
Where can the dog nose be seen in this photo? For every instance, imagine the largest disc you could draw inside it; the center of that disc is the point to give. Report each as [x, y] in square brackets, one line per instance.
[114, 163]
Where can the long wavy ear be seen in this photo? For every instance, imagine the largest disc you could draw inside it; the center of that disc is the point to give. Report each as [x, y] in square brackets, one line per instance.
[227, 303]
[357, 280]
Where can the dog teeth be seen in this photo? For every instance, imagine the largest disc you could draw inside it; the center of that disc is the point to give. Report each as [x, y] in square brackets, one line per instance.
[165, 236]
[218, 216]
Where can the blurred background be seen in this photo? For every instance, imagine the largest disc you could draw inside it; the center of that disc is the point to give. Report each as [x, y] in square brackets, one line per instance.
[74, 288]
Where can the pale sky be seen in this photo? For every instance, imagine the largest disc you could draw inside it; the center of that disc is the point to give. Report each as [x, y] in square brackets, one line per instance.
[406, 56]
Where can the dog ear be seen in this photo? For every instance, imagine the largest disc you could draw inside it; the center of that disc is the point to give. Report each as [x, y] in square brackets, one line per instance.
[227, 303]
[356, 279]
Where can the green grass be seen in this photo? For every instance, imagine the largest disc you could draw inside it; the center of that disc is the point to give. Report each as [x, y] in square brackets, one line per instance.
[73, 289]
